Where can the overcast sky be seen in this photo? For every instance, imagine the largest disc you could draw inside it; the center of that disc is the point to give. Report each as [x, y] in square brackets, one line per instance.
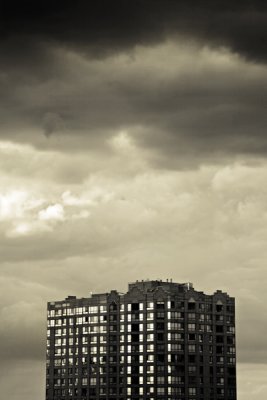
[133, 145]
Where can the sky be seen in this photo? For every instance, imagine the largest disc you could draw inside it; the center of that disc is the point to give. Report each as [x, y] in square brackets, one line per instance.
[132, 145]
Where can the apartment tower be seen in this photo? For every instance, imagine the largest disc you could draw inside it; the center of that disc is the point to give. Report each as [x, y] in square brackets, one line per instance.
[160, 340]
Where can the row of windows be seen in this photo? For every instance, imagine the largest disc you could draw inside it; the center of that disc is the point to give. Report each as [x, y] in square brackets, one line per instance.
[171, 326]
[135, 380]
[192, 369]
[192, 391]
[133, 307]
[150, 358]
[150, 337]
[136, 348]
[59, 394]
[102, 319]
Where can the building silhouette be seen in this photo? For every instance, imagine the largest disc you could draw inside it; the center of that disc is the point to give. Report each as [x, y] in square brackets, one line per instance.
[160, 340]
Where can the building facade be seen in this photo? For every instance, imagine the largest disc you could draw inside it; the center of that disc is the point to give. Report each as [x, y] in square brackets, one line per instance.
[160, 340]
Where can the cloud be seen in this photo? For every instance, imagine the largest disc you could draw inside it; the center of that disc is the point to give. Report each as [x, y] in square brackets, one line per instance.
[103, 28]
[177, 101]
[113, 224]
[53, 212]
[52, 122]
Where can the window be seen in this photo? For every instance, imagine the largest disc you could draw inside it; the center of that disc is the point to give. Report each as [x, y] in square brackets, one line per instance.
[160, 326]
[192, 369]
[150, 368]
[175, 347]
[220, 381]
[209, 328]
[192, 316]
[191, 327]
[93, 339]
[191, 336]
[160, 380]
[150, 337]
[150, 316]
[150, 347]
[230, 350]
[150, 358]
[230, 329]
[175, 336]
[176, 315]
[219, 307]
[92, 381]
[161, 358]
[191, 305]
[150, 306]
[160, 305]
[192, 358]
[191, 348]
[192, 391]
[135, 306]
[135, 328]
[175, 325]
[93, 310]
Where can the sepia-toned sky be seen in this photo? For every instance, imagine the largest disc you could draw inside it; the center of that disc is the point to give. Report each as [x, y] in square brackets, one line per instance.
[133, 145]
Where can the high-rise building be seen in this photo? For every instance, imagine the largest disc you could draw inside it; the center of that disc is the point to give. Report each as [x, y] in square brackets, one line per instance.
[160, 340]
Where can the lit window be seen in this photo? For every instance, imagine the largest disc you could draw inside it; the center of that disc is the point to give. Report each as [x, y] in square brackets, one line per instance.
[192, 391]
[191, 327]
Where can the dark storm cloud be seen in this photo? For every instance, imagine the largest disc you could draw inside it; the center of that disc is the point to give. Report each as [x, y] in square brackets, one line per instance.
[177, 103]
[110, 26]
[61, 75]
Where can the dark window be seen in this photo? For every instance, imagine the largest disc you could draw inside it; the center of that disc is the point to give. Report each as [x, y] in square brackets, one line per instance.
[135, 369]
[113, 307]
[191, 336]
[161, 357]
[135, 306]
[191, 306]
[135, 359]
[219, 307]
[135, 327]
[191, 358]
[135, 338]
[160, 326]
[135, 380]
[219, 349]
